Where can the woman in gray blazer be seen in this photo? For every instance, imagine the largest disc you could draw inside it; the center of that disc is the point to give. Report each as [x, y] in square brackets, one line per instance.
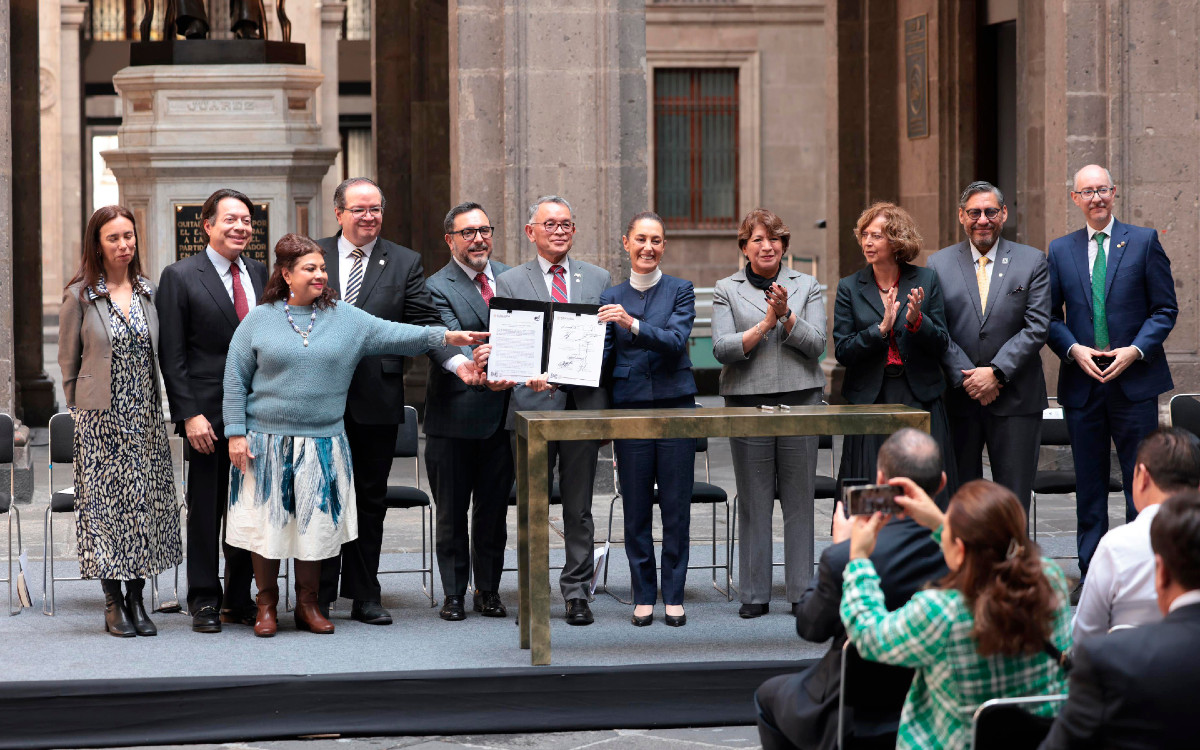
[126, 515]
[769, 333]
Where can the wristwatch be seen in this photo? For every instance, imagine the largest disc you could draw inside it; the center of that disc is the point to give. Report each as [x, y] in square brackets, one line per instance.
[999, 375]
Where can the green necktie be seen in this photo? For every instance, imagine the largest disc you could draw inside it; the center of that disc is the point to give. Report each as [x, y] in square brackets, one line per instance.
[1099, 271]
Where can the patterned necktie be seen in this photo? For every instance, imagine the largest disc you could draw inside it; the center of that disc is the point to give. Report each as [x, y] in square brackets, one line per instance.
[981, 276]
[559, 289]
[354, 283]
[484, 287]
[1099, 272]
[240, 305]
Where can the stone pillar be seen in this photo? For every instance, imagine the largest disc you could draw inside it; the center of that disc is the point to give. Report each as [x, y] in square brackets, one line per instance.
[332, 15]
[557, 106]
[7, 391]
[71, 141]
[35, 390]
[49, 42]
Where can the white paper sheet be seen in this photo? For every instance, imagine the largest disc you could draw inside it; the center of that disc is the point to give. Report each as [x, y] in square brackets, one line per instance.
[576, 349]
[516, 345]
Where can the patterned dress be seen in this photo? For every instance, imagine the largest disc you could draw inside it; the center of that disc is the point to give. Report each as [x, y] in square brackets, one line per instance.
[126, 513]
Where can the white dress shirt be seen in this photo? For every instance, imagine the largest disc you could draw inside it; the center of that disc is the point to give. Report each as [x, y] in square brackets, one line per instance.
[222, 264]
[987, 270]
[346, 263]
[549, 277]
[458, 360]
[1091, 233]
[1185, 599]
[1119, 588]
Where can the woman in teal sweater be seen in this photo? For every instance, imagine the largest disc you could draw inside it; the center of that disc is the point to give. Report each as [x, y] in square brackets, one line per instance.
[992, 628]
[291, 488]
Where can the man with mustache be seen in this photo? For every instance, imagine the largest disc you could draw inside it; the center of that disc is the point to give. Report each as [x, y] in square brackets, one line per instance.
[998, 314]
[467, 454]
[200, 301]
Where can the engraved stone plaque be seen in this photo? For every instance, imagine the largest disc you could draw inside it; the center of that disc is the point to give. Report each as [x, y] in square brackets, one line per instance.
[190, 237]
[916, 75]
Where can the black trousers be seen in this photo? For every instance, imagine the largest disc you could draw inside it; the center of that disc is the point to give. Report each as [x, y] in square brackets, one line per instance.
[475, 476]
[371, 448]
[207, 499]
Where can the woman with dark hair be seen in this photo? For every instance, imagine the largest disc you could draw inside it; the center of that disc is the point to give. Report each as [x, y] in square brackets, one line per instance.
[768, 326]
[994, 627]
[889, 330]
[650, 319]
[291, 488]
[126, 515]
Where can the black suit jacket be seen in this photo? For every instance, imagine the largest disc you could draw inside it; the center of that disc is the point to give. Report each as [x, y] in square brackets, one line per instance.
[857, 314]
[393, 288]
[196, 320]
[1134, 688]
[906, 558]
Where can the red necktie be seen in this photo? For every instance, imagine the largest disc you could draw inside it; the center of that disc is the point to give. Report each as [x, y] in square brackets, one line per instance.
[559, 288]
[240, 306]
[484, 287]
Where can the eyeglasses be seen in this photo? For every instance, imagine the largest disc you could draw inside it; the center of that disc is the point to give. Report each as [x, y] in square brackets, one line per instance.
[974, 213]
[1103, 192]
[553, 226]
[469, 233]
[359, 212]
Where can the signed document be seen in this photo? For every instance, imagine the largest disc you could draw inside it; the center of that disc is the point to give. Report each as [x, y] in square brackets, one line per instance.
[516, 344]
[576, 347]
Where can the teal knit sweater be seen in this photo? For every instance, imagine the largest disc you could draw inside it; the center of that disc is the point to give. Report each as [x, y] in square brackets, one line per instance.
[275, 384]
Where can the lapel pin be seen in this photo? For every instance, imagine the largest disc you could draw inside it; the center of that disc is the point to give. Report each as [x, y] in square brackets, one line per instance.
[382, 262]
[1120, 245]
[1004, 261]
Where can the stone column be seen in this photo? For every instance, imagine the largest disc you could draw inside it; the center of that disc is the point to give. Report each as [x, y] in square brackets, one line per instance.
[332, 15]
[49, 37]
[557, 106]
[7, 395]
[71, 141]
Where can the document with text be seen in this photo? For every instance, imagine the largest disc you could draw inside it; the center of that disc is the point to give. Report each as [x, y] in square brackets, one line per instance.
[576, 347]
[516, 344]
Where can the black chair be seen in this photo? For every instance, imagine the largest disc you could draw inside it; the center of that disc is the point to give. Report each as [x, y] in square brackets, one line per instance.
[875, 693]
[1003, 723]
[703, 493]
[8, 450]
[1057, 481]
[1185, 412]
[62, 439]
[826, 486]
[405, 497]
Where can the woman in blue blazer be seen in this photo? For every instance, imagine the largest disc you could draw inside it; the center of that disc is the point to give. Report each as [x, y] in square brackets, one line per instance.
[649, 320]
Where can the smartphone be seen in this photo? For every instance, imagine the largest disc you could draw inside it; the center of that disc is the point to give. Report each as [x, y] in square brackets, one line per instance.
[872, 498]
[1103, 362]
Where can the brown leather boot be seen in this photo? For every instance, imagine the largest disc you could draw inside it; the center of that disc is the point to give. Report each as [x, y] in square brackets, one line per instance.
[266, 577]
[308, 614]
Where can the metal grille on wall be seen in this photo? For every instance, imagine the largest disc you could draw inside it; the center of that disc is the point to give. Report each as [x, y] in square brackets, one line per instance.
[696, 147]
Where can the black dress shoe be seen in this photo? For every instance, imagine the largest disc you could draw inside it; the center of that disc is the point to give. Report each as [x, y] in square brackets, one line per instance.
[675, 622]
[488, 604]
[206, 620]
[372, 613]
[578, 612]
[750, 611]
[239, 615]
[795, 608]
[1076, 593]
[642, 621]
[453, 609]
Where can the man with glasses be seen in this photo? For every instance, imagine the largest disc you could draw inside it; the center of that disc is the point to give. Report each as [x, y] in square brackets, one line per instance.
[466, 446]
[1112, 301]
[388, 281]
[998, 314]
[554, 276]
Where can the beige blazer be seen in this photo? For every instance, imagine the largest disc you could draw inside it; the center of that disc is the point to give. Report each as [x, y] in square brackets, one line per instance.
[85, 346]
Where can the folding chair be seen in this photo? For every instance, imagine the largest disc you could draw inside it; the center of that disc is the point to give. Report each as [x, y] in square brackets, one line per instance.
[405, 497]
[1003, 723]
[1058, 481]
[62, 438]
[875, 692]
[8, 450]
[1185, 412]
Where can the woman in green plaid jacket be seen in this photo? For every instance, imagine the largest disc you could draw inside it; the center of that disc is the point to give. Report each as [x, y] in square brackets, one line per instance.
[981, 633]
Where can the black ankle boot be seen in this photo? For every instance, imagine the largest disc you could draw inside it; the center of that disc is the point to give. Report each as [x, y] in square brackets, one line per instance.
[117, 619]
[137, 610]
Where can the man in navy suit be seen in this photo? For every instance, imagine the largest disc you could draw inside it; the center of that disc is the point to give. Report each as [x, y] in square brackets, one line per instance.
[1113, 304]
[467, 455]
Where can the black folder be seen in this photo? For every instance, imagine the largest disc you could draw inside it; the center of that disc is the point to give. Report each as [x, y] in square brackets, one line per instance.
[549, 308]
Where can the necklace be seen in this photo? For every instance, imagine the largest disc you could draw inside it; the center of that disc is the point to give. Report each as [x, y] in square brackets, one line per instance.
[887, 288]
[312, 319]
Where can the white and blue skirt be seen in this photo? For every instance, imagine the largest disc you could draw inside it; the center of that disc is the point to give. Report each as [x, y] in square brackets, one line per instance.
[296, 498]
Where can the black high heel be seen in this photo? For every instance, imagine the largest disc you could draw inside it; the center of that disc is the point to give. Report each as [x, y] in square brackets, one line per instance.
[643, 621]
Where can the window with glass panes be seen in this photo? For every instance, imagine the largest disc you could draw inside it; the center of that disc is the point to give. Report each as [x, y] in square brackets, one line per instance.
[696, 147]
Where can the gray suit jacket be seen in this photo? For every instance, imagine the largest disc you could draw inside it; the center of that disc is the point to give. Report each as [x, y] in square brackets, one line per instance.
[1011, 332]
[452, 408]
[85, 347]
[781, 363]
[527, 281]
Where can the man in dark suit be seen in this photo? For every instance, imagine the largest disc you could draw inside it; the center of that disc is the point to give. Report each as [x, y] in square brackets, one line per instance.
[801, 710]
[388, 281]
[467, 454]
[997, 300]
[1137, 688]
[1112, 302]
[201, 300]
[551, 275]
